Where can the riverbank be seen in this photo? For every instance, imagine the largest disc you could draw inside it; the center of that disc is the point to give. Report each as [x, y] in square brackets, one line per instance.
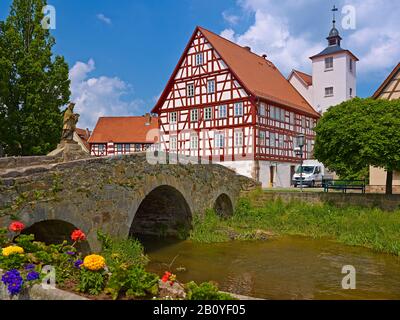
[367, 227]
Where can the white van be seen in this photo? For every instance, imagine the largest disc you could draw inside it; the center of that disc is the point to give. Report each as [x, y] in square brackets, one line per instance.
[313, 173]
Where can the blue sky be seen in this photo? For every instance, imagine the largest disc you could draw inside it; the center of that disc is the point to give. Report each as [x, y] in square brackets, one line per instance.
[121, 53]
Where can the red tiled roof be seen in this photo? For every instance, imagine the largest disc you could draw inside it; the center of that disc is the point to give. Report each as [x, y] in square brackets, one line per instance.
[304, 76]
[123, 130]
[258, 75]
[84, 135]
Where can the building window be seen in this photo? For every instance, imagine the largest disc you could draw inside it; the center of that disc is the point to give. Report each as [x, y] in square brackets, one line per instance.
[138, 147]
[173, 116]
[351, 65]
[329, 92]
[281, 141]
[238, 109]
[351, 92]
[208, 113]
[194, 142]
[238, 138]
[261, 109]
[222, 112]
[119, 148]
[127, 148]
[262, 138]
[210, 86]
[101, 147]
[194, 115]
[190, 90]
[291, 118]
[272, 140]
[173, 143]
[219, 140]
[329, 63]
[199, 59]
[272, 112]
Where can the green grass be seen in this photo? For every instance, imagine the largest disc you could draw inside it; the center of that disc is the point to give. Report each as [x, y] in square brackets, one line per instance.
[371, 228]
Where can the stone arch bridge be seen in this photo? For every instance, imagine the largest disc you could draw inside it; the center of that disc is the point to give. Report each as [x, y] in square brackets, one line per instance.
[121, 195]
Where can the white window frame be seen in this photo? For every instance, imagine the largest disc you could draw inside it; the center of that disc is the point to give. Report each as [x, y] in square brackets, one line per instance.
[329, 92]
[190, 90]
[261, 109]
[238, 109]
[281, 141]
[199, 59]
[208, 113]
[194, 115]
[211, 86]
[173, 117]
[238, 138]
[222, 111]
[329, 63]
[272, 140]
[194, 142]
[219, 140]
[173, 143]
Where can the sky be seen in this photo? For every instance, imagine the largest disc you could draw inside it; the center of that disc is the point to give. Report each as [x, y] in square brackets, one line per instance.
[122, 53]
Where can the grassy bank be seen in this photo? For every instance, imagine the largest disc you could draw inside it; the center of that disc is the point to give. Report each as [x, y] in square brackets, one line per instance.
[371, 228]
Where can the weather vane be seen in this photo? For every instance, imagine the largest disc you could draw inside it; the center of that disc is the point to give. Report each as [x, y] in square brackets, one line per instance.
[334, 9]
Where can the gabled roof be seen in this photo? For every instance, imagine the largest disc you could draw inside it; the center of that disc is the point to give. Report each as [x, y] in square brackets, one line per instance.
[123, 129]
[84, 135]
[306, 78]
[258, 75]
[386, 82]
[333, 50]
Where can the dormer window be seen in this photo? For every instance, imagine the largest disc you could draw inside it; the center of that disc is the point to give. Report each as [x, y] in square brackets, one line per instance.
[199, 59]
[329, 63]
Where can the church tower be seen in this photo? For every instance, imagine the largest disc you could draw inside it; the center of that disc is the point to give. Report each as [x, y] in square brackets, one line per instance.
[333, 78]
[333, 73]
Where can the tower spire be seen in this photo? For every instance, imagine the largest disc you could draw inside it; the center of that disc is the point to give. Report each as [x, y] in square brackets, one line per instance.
[334, 37]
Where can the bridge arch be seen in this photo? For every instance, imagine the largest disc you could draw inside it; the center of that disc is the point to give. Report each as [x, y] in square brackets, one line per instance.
[55, 232]
[164, 211]
[223, 205]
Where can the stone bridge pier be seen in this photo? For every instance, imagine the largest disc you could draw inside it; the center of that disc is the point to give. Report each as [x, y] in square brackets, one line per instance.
[121, 195]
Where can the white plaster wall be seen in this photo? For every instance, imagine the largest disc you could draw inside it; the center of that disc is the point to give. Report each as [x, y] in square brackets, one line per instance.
[282, 178]
[306, 92]
[244, 167]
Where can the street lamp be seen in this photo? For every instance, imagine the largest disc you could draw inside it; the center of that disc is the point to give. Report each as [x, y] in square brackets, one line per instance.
[300, 142]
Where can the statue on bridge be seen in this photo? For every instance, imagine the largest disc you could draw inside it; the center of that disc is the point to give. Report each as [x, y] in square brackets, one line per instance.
[69, 125]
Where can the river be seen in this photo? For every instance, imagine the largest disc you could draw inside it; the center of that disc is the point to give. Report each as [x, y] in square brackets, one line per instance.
[284, 268]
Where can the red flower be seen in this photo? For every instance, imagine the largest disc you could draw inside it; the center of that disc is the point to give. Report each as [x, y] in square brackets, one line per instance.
[16, 226]
[166, 276]
[78, 235]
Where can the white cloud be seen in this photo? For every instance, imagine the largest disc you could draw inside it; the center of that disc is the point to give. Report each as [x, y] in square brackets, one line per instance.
[104, 19]
[230, 18]
[102, 96]
[290, 31]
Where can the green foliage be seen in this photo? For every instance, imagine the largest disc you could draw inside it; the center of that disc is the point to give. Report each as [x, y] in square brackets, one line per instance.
[13, 261]
[367, 227]
[205, 291]
[34, 83]
[3, 237]
[134, 281]
[208, 229]
[91, 282]
[358, 133]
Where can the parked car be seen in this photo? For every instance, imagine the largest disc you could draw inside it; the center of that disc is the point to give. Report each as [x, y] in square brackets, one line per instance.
[312, 174]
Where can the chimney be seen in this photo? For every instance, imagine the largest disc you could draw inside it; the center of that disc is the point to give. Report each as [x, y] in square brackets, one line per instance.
[264, 56]
[247, 48]
[148, 119]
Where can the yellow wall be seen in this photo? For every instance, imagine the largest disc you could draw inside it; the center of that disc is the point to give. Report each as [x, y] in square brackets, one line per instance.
[377, 177]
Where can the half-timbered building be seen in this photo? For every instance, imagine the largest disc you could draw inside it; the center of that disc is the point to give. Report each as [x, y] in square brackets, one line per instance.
[226, 104]
[122, 135]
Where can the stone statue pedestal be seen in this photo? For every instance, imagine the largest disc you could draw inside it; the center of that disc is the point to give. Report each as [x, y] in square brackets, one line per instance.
[69, 150]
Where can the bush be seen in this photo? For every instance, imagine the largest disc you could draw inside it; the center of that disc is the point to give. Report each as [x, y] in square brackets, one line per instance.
[92, 282]
[205, 291]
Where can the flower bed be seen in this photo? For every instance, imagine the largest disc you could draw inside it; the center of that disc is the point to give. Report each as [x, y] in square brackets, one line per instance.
[117, 272]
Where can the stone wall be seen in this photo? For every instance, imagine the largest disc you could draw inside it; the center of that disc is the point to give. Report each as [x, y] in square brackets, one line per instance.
[17, 162]
[382, 201]
[105, 193]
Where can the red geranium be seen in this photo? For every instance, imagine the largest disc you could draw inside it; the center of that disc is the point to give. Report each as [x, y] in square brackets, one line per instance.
[166, 276]
[16, 226]
[78, 235]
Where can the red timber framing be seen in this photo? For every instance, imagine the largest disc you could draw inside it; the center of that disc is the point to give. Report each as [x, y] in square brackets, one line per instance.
[194, 120]
[106, 149]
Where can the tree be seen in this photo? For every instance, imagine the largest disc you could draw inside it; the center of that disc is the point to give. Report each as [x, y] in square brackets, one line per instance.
[360, 133]
[34, 84]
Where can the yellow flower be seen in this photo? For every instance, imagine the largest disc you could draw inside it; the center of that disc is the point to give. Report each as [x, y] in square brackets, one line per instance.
[94, 262]
[12, 250]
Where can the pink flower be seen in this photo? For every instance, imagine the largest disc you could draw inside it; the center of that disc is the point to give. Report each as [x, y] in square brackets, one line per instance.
[16, 226]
